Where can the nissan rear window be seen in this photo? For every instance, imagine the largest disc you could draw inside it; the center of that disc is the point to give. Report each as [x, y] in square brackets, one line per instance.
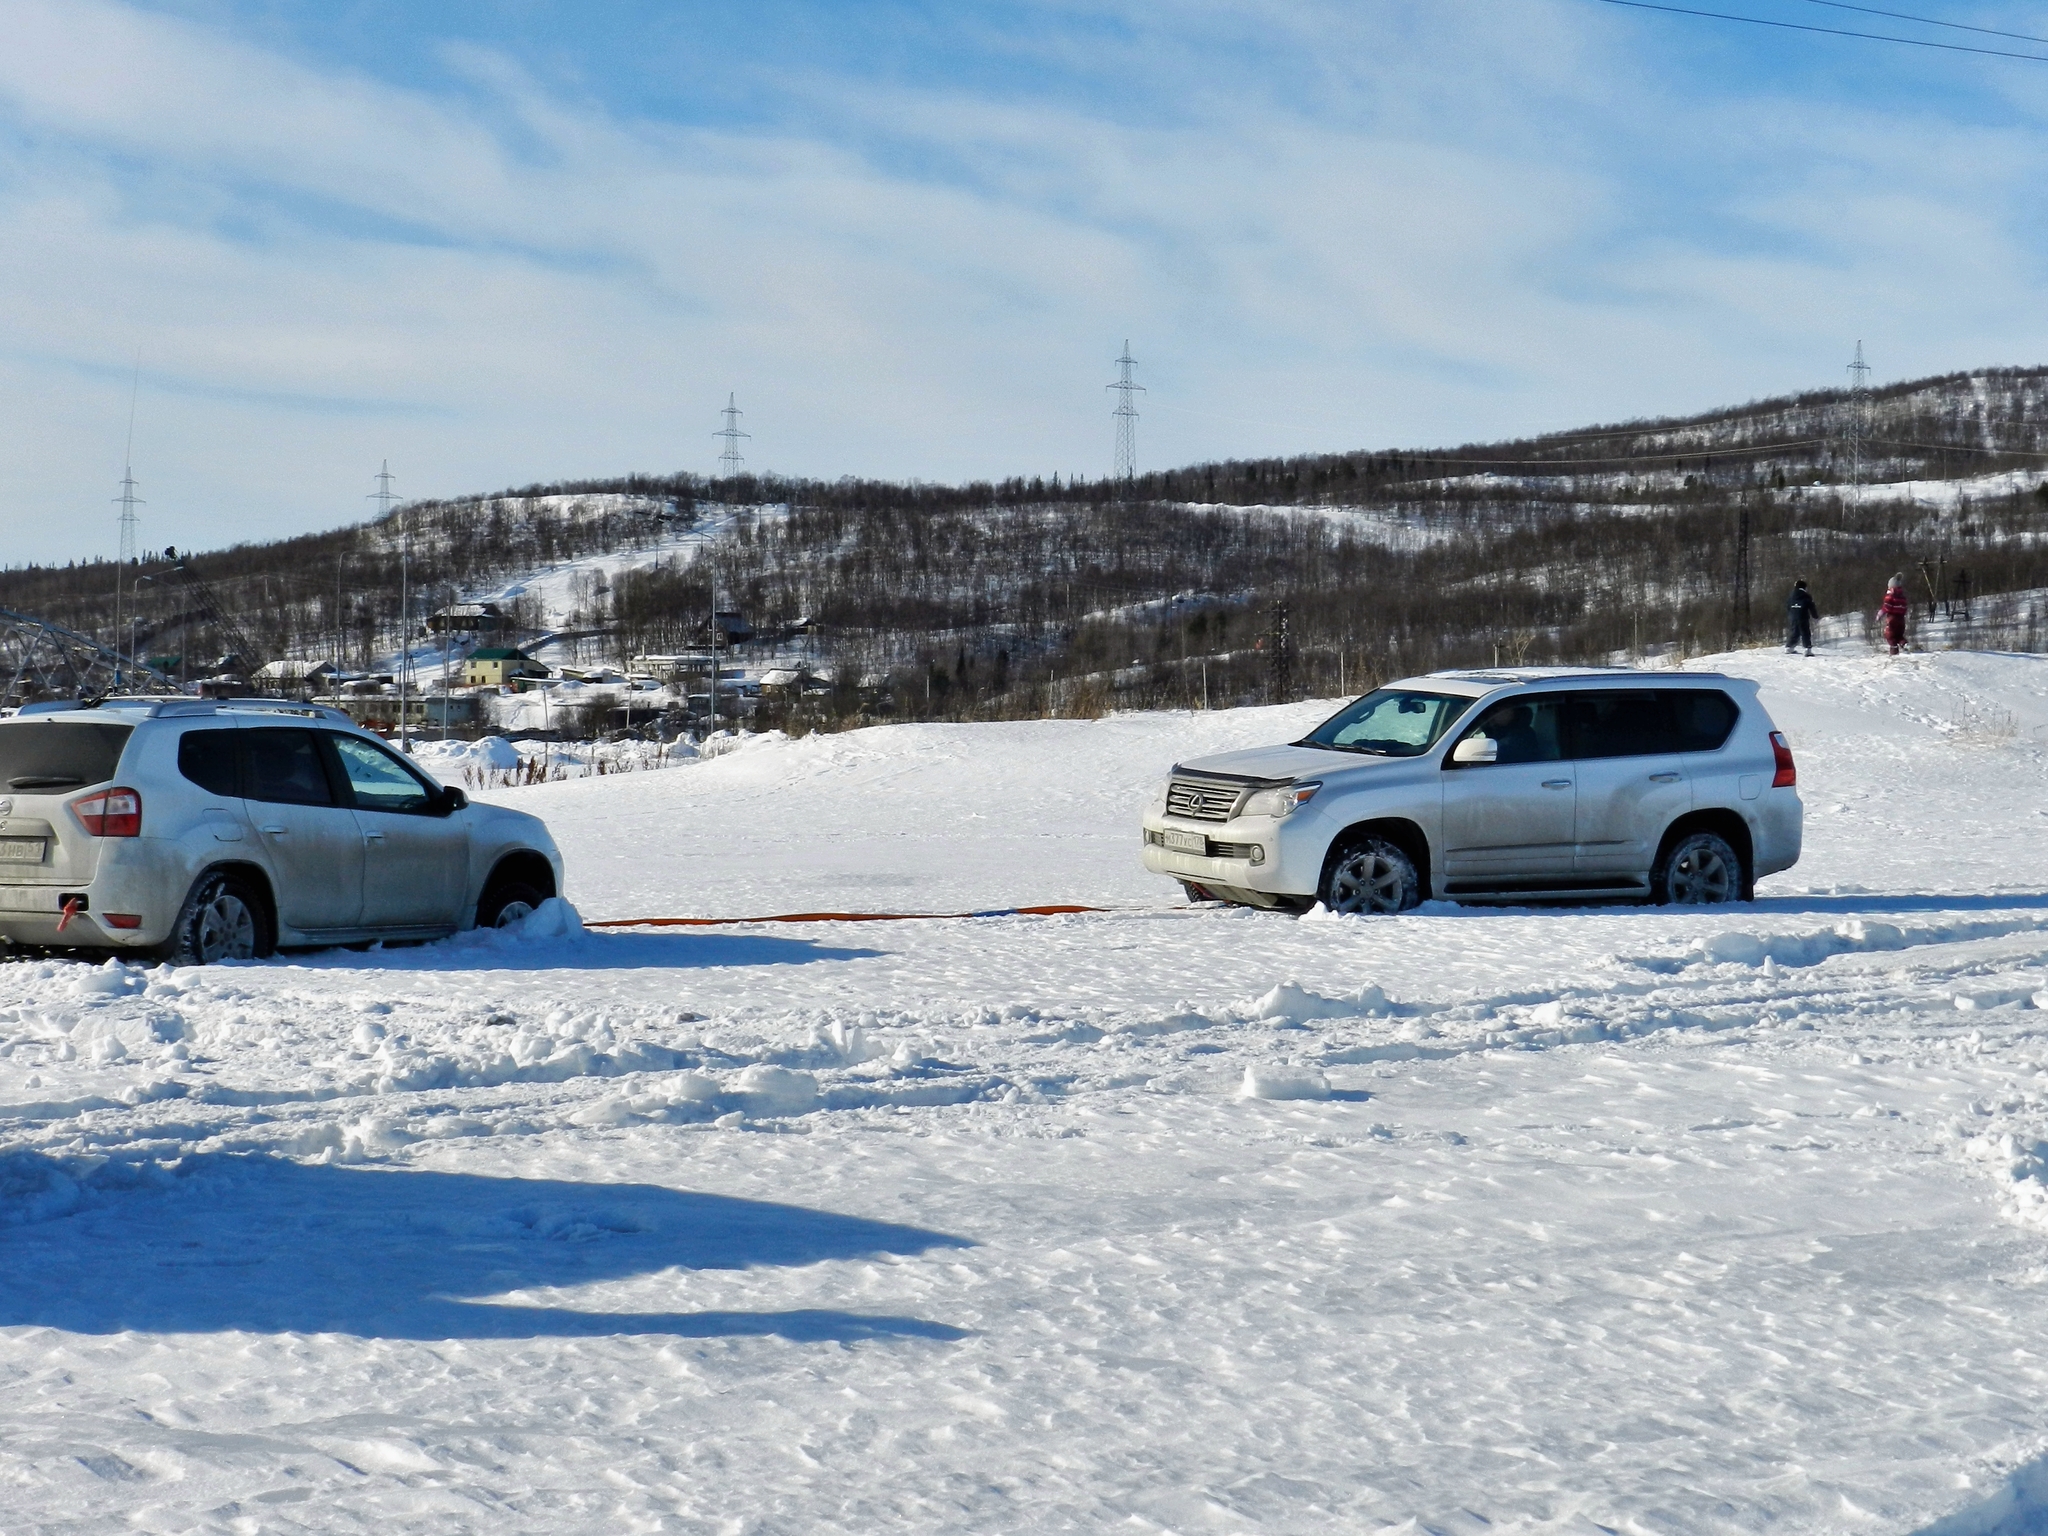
[51, 756]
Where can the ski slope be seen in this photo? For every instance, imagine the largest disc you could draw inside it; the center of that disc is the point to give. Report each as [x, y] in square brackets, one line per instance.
[1152, 1219]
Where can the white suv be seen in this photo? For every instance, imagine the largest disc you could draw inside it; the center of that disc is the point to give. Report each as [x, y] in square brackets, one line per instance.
[1513, 784]
[195, 831]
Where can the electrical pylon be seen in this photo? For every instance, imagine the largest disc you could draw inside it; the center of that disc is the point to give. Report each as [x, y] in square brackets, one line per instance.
[1859, 414]
[1126, 414]
[729, 461]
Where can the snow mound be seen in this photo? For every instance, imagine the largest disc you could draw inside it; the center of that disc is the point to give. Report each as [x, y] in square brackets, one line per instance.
[552, 919]
[112, 979]
[1277, 1082]
[1292, 1003]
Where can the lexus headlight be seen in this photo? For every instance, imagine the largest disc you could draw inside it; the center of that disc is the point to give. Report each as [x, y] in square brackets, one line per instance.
[1285, 801]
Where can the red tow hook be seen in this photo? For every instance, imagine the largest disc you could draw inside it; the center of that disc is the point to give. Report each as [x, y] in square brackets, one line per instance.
[70, 911]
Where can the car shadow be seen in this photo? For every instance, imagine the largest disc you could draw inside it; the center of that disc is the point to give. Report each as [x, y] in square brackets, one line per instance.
[1871, 901]
[496, 951]
[238, 1243]
[1846, 904]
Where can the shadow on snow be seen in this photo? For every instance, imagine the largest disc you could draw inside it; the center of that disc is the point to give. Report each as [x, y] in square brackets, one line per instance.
[592, 952]
[264, 1245]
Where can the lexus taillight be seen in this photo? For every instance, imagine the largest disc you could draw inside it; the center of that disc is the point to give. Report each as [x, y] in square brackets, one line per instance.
[110, 813]
[1787, 775]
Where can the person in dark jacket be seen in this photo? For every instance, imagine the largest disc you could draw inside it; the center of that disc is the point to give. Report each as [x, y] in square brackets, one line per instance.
[1800, 612]
[1893, 611]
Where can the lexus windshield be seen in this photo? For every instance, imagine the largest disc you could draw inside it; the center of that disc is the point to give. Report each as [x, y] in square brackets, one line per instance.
[1390, 722]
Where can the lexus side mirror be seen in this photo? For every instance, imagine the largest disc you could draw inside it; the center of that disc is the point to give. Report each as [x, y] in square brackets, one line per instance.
[453, 799]
[1476, 749]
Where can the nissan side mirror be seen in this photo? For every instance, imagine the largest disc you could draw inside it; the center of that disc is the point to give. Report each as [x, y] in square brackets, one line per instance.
[1476, 749]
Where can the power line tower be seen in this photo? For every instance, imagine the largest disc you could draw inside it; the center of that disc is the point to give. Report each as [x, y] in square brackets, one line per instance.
[1738, 608]
[127, 501]
[729, 461]
[1281, 639]
[384, 496]
[1859, 414]
[1126, 414]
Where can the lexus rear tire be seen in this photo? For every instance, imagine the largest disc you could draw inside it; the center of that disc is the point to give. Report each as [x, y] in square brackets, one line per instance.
[1699, 869]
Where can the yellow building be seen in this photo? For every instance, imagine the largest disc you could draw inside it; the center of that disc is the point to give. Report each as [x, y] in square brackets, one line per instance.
[495, 665]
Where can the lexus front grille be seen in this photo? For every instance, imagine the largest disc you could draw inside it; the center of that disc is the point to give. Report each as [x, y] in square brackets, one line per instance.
[1197, 800]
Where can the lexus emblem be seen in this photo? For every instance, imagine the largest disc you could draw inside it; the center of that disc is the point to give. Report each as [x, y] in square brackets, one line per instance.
[6, 807]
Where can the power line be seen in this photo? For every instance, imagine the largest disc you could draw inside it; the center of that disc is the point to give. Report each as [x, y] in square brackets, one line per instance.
[1927, 21]
[1796, 26]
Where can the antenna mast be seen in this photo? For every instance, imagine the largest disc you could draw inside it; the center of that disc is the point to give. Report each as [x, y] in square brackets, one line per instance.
[1126, 414]
[729, 462]
[1859, 414]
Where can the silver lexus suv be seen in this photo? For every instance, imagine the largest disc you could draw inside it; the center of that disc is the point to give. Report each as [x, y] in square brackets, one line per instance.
[193, 831]
[1517, 784]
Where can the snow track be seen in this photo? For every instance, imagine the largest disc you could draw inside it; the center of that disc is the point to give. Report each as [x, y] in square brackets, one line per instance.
[1189, 1220]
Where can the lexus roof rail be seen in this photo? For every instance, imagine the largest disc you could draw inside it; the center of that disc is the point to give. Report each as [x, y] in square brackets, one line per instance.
[1504, 675]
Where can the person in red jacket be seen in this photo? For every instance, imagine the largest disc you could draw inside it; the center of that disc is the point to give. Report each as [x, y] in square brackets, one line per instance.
[1893, 611]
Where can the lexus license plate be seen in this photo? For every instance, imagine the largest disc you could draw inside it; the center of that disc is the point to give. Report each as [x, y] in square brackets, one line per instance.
[1188, 842]
[21, 850]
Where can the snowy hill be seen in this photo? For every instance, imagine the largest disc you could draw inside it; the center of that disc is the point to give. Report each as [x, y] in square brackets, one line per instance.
[1149, 1219]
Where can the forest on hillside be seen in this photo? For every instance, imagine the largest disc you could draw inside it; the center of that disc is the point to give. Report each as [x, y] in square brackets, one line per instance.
[1231, 581]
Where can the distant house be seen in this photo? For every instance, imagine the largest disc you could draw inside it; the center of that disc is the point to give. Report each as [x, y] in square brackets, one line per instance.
[296, 674]
[468, 619]
[493, 666]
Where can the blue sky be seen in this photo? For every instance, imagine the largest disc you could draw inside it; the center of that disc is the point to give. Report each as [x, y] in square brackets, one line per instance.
[498, 243]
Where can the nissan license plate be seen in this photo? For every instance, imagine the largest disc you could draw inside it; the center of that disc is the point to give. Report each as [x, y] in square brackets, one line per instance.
[21, 850]
[1188, 842]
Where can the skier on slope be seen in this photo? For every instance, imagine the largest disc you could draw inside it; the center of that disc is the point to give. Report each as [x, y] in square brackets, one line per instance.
[1893, 611]
[1800, 612]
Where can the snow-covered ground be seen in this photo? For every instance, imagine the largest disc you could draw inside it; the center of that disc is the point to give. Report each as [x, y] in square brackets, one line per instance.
[1146, 1219]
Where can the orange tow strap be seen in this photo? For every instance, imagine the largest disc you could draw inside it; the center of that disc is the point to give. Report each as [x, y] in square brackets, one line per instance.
[70, 911]
[832, 917]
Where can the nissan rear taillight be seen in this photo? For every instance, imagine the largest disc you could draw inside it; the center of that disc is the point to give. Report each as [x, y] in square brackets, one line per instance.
[110, 813]
[1787, 775]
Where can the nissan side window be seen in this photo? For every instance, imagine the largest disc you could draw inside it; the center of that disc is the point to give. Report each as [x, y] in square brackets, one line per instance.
[207, 758]
[1636, 723]
[283, 767]
[1703, 717]
[380, 781]
[1525, 731]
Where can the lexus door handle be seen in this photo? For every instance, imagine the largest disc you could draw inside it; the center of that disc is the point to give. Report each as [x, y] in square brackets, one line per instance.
[373, 837]
[1557, 783]
[274, 831]
[1664, 778]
